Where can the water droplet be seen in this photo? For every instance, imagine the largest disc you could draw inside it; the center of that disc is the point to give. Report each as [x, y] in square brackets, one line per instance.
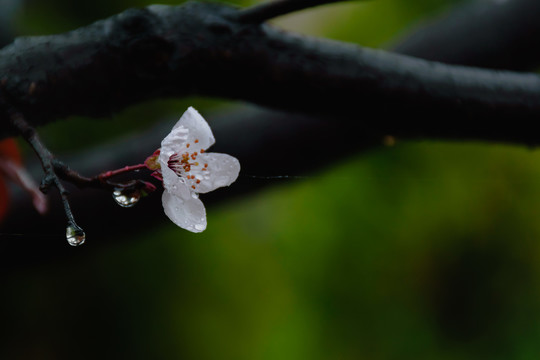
[75, 235]
[126, 198]
[199, 227]
[194, 195]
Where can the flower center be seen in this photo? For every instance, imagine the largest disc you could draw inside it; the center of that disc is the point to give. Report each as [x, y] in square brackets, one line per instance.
[179, 162]
[182, 165]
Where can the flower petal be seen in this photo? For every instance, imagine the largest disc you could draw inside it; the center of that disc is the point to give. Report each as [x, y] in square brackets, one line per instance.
[190, 129]
[222, 170]
[189, 213]
[174, 184]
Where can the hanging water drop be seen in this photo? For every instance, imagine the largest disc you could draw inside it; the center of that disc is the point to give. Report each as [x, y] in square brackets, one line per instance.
[126, 198]
[75, 235]
[194, 195]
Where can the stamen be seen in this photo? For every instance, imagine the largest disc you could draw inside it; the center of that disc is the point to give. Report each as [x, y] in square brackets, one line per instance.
[187, 145]
[202, 151]
[196, 141]
[178, 162]
[193, 187]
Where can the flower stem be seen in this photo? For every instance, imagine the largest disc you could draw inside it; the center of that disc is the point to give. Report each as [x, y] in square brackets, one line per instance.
[108, 174]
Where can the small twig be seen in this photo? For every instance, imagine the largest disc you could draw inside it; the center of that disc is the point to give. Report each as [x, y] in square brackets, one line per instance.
[47, 161]
[269, 10]
[56, 170]
[102, 181]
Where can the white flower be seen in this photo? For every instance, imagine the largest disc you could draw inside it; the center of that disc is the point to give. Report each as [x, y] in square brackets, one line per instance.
[187, 170]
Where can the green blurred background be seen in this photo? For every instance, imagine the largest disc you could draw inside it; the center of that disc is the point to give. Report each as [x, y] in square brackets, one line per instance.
[423, 250]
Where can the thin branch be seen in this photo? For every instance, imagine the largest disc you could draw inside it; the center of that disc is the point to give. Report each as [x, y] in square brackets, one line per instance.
[262, 12]
[56, 170]
[47, 162]
[103, 180]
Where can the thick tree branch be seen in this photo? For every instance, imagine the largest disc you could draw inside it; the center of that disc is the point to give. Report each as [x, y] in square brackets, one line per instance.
[200, 49]
[7, 16]
[269, 10]
[495, 34]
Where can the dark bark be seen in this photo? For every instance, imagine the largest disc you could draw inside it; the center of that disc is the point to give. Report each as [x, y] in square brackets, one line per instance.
[498, 34]
[199, 48]
[272, 9]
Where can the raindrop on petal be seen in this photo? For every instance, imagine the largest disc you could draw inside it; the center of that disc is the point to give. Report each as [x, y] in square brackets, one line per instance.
[126, 198]
[75, 235]
[194, 195]
[199, 227]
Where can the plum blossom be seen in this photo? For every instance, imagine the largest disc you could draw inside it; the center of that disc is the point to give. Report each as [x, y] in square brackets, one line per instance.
[188, 170]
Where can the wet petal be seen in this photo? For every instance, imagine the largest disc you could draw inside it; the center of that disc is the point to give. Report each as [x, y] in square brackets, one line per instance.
[174, 184]
[175, 142]
[191, 129]
[221, 170]
[189, 213]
